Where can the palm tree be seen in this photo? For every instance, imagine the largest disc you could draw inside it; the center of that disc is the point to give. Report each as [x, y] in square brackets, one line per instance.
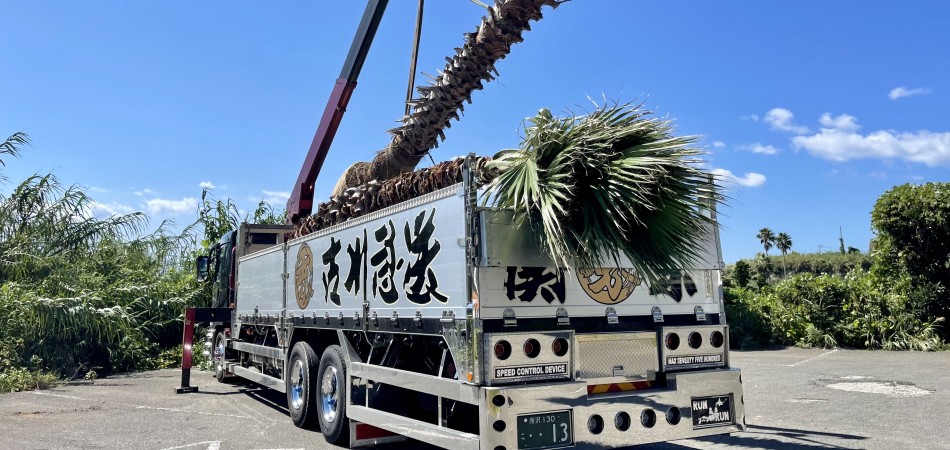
[767, 238]
[784, 243]
[441, 101]
[612, 182]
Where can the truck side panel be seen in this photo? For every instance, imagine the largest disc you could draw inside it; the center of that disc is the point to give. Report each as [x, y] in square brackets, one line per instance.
[407, 260]
[260, 287]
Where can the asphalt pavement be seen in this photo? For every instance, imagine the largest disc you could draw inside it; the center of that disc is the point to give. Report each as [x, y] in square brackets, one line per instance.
[795, 399]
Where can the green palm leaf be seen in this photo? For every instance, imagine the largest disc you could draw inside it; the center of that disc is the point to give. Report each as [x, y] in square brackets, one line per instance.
[611, 183]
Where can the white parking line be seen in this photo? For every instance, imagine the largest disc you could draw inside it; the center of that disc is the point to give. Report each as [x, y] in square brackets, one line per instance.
[813, 358]
[57, 395]
[157, 408]
[212, 445]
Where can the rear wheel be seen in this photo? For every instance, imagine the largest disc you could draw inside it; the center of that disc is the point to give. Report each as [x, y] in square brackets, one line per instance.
[301, 389]
[332, 386]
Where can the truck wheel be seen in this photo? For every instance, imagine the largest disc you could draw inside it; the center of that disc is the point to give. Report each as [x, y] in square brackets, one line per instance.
[217, 357]
[332, 391]
[301, 392]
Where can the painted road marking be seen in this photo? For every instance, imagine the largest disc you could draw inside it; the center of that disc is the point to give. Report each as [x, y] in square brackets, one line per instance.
[813, 358]
[57, 395]
[158, 408]
[212, 445]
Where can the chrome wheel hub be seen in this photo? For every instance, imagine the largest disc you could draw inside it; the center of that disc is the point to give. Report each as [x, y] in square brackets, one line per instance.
[296, 385]
[329, 394]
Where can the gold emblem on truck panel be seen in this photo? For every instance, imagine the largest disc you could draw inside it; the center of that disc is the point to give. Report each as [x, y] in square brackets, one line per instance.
[608, 285]
[303, 276]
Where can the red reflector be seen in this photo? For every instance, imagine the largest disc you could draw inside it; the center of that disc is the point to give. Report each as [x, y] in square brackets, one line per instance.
[365, 431]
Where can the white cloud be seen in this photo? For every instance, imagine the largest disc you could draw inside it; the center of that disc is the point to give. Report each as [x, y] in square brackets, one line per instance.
[103, 210]
[760, 148]
[165, 206]
[932, 149]
[144, 192]
[750, 179]
[781, 119]
[899, 92]
[206, 185]
[98, 190]
[275, 198]
[752, 117]
[719, 144]
[843, 122]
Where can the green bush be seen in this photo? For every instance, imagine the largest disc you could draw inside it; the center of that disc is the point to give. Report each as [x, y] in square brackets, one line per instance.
[18, 379]
[747, 315]
[859, 310]
[913, 243]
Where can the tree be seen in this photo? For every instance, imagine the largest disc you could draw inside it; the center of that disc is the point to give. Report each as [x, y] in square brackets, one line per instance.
[742, 273]
[766, 238]
[913, 227]
[784, 243]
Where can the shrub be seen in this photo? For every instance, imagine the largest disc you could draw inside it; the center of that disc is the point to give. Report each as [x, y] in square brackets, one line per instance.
[860, 310]
[913, 226]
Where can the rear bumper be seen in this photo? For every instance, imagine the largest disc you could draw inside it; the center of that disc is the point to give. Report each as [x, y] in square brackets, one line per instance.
[574, 398]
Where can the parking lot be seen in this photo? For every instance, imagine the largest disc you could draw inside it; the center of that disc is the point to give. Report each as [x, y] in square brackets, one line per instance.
[795, 399]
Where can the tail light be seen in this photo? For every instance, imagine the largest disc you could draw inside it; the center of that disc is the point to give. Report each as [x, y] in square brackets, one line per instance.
[532, 348]
[502, 349]
[695, 340]
[672, 341]
[559, 347]
[716, 339]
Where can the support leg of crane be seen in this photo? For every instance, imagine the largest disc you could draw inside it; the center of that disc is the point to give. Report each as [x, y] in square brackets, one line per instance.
[186, 353]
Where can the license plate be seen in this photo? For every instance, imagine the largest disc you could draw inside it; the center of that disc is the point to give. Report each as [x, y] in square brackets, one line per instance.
[546, 430]
[715, 411]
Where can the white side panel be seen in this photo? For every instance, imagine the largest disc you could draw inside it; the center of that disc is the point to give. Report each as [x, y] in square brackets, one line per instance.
[406, 259]
[261, 284]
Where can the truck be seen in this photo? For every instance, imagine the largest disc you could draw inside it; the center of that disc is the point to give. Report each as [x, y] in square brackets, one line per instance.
[440, 319]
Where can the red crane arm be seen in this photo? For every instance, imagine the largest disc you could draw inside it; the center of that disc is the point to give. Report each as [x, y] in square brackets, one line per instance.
[300, 203]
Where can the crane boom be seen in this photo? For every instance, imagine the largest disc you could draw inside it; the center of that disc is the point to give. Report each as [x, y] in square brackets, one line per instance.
[300, 203]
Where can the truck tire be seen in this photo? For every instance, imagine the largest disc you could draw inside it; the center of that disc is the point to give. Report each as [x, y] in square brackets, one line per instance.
[332, 392]
[218, 351]
[301, 387]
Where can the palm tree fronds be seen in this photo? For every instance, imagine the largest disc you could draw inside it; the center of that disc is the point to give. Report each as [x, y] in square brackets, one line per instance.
[13, 144]
[614, 182]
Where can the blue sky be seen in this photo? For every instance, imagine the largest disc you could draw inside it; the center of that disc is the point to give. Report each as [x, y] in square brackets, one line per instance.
[812, 109]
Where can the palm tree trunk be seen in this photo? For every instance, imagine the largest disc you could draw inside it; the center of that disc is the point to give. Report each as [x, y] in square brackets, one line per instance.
[439, 103]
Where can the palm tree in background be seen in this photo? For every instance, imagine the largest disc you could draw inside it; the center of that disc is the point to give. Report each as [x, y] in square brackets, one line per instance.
[767, 238]
[784, 243]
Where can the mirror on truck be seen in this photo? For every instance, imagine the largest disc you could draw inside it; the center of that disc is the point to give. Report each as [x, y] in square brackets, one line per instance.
[202, 265]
